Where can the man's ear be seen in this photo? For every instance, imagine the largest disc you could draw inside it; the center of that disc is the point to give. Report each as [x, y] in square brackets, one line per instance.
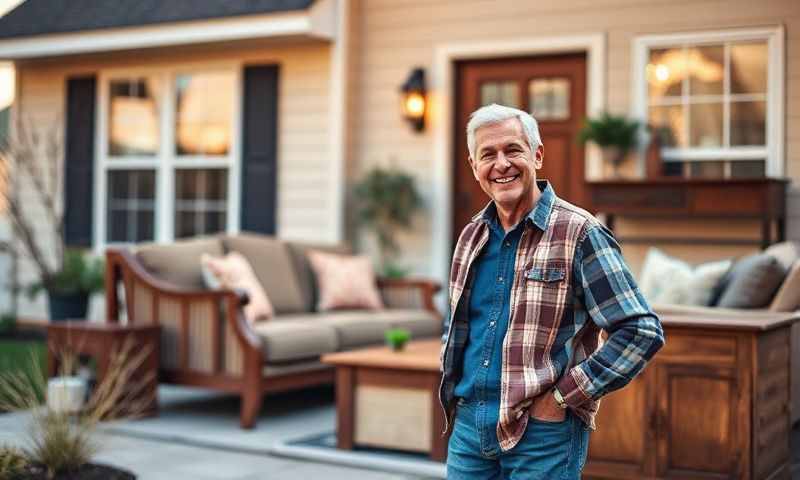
[474, 170]
[538, 157]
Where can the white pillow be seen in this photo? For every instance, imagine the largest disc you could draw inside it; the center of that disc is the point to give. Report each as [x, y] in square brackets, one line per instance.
[667, 279]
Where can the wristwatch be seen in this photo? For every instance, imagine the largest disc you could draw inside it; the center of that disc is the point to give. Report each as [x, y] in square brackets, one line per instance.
[559, 398]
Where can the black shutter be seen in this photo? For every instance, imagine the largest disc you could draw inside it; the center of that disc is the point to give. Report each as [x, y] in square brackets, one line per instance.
[79, 161]
[259, 149]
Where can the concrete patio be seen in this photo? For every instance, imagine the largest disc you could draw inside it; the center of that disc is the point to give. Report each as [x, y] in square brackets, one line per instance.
[197, 436]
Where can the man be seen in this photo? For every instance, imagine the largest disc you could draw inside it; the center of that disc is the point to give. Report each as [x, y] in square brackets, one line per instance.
[533, 282]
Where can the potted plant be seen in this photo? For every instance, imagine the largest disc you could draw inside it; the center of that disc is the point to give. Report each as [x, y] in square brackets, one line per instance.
[30, 160]
[397, 338]
[615, 135]
[386, 202]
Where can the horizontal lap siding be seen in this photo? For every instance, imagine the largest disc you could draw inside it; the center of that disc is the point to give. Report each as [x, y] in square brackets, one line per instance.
[304, 212]
[390, 37]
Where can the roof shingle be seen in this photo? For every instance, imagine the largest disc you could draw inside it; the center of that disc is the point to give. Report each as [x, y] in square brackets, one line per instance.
[39, 17]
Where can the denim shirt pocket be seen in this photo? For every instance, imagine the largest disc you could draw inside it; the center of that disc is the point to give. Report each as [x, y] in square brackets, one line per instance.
[548, 274]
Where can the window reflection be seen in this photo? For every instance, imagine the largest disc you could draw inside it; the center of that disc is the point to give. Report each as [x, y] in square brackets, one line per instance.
[503, 93]
[204, 110]
[133, 117]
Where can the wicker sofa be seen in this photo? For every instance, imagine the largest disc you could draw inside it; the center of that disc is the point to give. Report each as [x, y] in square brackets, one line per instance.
[205, 338]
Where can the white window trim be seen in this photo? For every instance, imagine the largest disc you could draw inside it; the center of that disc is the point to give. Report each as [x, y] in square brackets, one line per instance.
[775, 162]
[166, 161]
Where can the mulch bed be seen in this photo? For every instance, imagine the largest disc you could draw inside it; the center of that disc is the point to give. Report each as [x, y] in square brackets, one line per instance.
[90, 471]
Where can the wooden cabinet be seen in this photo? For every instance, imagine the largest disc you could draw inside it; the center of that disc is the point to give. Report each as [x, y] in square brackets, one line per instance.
[713, 404]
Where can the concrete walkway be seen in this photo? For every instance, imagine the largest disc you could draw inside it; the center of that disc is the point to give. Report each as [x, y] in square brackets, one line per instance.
[156, 460]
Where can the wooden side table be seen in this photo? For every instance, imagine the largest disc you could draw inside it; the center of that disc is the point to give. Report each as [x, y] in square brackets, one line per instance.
[390, 399]
[101, 341]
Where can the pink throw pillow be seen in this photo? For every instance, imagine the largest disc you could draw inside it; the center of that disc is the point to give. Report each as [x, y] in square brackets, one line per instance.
[345, 281]
[234, 271]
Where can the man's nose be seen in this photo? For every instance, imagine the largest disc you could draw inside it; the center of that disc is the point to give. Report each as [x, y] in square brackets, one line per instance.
[502, 161]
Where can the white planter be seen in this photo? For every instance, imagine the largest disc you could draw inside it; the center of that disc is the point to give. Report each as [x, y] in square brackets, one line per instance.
[66, 394]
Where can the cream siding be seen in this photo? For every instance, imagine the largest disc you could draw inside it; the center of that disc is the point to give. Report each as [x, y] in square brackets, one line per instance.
[303, 139]
[395, 36]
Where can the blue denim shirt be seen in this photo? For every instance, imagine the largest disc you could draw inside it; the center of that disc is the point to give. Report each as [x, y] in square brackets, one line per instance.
[489, 313]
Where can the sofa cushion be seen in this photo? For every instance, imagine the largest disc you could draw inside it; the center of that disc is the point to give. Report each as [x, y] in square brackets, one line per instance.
[667, 279]
[345, 281]
[234, 271]
[305, 275]
[178, 262]
[788, 297]
[785, 252]
[359, 328]
[752, 282]
[294, 339]
[272, 263]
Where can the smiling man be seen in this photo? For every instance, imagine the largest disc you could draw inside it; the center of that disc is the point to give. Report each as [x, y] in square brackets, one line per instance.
[534, 282]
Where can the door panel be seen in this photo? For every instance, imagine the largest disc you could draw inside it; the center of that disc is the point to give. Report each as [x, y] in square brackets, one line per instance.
[553, 88]
[698, 435]
[621, 445]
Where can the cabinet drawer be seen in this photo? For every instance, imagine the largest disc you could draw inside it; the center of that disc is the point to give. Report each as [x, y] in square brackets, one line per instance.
[693, 348]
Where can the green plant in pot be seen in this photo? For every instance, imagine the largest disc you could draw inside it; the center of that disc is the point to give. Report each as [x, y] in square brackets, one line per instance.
[30, 162]
[69, 288]
[386, 201]
[615, 135]
[397, 338]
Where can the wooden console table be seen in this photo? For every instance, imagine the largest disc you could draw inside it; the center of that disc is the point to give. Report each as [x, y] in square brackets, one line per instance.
[101, 341]
[713, 403]
[762, 199]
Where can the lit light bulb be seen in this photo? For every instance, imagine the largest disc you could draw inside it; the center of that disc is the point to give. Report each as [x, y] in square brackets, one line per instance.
[662, 72]
[415, 105]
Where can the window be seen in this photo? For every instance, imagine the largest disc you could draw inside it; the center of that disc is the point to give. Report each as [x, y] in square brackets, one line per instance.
[714, 100]
[167, 156]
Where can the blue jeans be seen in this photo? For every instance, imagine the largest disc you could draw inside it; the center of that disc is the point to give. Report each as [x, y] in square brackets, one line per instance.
[546, 451]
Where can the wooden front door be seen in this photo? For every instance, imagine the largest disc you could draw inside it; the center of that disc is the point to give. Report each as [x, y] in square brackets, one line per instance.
[553, 89]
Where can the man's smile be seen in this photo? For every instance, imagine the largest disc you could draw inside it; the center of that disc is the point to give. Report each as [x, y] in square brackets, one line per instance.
[506, 179]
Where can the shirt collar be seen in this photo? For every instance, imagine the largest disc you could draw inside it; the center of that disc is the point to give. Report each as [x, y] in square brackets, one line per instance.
[540, 214]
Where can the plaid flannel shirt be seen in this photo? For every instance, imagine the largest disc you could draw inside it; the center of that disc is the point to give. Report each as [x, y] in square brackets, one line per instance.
[570, 284]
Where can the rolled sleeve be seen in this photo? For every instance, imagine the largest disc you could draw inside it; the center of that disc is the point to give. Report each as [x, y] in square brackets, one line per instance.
[613, 302]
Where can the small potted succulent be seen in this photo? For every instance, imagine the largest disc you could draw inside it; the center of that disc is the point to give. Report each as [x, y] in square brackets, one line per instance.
[397, 338]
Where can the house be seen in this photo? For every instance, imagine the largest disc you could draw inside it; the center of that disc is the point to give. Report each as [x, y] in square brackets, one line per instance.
[184, 118]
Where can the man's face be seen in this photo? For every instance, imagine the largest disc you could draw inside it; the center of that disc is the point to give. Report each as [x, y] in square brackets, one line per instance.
[505, 166]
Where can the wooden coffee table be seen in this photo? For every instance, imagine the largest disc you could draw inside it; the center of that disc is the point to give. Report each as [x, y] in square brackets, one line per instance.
[101, 341]
[390, 399]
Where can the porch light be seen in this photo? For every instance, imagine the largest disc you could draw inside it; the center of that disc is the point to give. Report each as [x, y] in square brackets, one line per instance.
[413, 99]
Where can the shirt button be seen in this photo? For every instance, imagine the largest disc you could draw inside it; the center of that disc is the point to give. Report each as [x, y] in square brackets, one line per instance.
[491, 324]
[486, 363]
[508, 244]
[500, 279]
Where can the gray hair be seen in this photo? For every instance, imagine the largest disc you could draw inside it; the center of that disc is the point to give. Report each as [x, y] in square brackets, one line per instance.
[495, 113]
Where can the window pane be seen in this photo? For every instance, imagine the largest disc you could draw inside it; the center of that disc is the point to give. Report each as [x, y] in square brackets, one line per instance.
[131, 206]
[706, 70]
[204, 109]
[748, 123]
[705, 120]
[503, 93]
[665, 73]
[668, 122]
[200, 201]
[549, 98]
[748, 169]
[713, 169]
[673, 169]
[749, 68]
[133, 117]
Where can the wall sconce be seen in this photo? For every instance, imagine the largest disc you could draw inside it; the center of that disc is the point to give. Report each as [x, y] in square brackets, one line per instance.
[413, 99]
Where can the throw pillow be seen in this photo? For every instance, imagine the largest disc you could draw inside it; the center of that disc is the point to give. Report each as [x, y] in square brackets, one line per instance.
[752, 282]
[668, 280]
[234, 271]
[344, 281]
